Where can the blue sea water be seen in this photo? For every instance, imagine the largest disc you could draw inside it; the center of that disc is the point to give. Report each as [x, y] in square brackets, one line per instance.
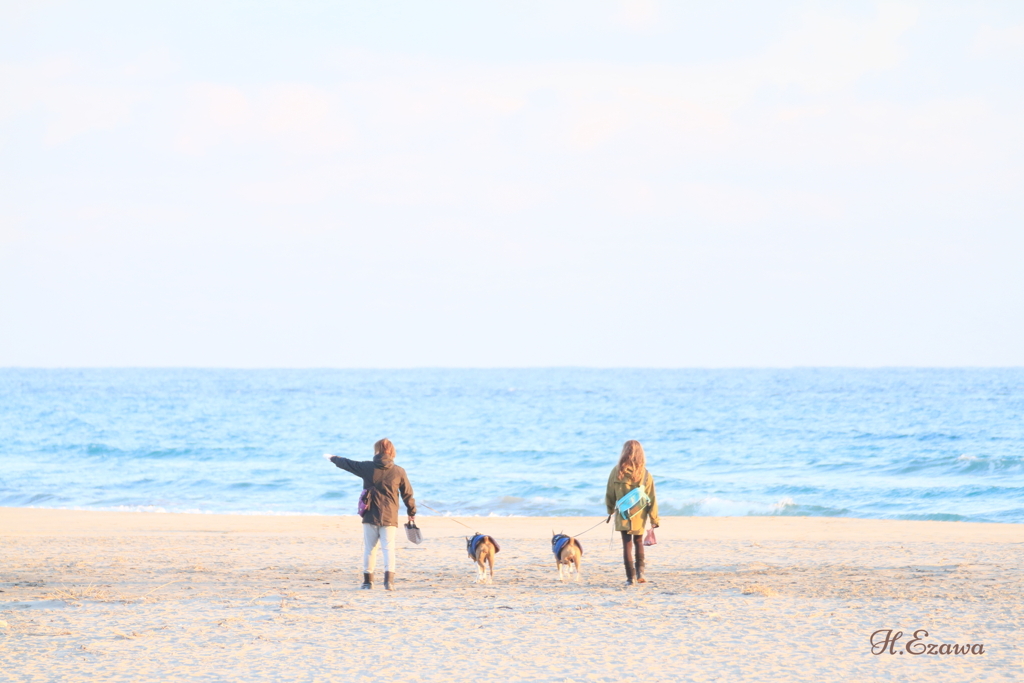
[943, 444]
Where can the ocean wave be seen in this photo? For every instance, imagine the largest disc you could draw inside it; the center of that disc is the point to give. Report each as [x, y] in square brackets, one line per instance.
[18, 500]
[932, 444]
[932, 517]
[713, 506]
[939, 464]
[157, 509]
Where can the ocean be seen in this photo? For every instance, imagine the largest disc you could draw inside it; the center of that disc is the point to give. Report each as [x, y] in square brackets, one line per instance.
[936, 444]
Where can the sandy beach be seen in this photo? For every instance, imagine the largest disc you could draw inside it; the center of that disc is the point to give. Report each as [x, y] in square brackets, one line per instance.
[91, 596]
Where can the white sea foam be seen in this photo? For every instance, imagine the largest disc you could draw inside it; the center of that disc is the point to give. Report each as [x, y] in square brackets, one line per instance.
[721, 507]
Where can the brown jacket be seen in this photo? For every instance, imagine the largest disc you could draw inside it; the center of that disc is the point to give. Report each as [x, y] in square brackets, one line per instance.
[385, 481]
[617, 489]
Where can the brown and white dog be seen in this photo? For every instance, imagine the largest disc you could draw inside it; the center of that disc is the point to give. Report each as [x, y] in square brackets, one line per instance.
[568, 555]
[481, 549]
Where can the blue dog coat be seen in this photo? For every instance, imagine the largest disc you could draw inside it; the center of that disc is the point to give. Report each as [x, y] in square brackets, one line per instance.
[475, 541]
[559, 542]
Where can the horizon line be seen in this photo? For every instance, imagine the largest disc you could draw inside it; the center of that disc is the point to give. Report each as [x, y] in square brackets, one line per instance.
[510, 367]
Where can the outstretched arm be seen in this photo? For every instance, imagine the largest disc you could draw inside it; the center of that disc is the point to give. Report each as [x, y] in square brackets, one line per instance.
[352, 466]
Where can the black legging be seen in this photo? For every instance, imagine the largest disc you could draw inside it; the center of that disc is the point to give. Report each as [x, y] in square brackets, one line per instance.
[629, 543]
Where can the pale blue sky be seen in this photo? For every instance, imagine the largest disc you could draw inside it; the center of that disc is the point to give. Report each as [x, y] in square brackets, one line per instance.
[293, 184]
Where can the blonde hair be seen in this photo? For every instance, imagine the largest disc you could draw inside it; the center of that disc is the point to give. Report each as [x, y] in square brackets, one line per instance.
[384, 447]
[632, 463]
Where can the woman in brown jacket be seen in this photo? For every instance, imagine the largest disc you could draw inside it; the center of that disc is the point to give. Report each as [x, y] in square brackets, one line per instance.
[384, 483]
[631, 473]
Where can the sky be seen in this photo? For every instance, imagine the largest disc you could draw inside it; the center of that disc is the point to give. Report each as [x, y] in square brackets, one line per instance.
[511, 184]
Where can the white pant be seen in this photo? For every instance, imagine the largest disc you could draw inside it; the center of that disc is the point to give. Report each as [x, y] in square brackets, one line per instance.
[386, 536]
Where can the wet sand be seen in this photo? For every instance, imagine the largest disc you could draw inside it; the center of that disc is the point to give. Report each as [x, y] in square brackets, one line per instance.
[109, 596]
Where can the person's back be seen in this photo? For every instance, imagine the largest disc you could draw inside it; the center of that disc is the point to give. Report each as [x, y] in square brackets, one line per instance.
[384, 483]
[630, 475]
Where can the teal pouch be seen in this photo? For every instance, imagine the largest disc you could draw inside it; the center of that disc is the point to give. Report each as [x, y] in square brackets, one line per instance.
[637, 498]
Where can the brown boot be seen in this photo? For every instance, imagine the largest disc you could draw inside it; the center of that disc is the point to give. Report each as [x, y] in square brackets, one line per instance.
[640, 572]
[389, 581]
[367, 581]
[630, 576]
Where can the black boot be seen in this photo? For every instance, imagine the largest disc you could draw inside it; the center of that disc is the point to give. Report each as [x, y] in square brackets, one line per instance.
[640, 572]
[389, 581]
[630, 576]
[367, 581]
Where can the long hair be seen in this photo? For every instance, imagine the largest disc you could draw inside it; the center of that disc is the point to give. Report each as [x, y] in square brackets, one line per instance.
[632, 463]
[384, 447]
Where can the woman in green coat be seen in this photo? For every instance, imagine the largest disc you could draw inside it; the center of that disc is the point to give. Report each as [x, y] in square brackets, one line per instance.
[631, 473]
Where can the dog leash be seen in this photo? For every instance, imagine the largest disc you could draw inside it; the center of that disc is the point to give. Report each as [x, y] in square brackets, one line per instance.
[593, 527]
[474, 531]
[446, 517]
